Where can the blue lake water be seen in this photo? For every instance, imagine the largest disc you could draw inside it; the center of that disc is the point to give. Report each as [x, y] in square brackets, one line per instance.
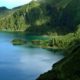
[22, 62]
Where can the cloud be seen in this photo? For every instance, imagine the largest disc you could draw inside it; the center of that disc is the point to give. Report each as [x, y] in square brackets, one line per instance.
[17, 1]
[13, 3]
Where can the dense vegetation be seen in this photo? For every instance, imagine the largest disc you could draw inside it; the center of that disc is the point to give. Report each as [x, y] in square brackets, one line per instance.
[42, 18]
[60, 19]
[18, 42]
[68, 68]
[57, 42]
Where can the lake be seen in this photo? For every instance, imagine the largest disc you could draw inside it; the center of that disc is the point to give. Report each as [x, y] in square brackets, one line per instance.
[23, 62]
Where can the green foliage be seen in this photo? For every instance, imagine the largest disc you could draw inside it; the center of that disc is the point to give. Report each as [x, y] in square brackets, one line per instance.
[58, 18]
[68, 68]
[18, 42]
[43, 18]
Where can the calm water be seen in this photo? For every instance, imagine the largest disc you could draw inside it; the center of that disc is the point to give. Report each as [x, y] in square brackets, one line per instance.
[22, 62]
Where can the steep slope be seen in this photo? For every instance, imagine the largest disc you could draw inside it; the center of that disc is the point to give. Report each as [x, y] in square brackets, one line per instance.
[16, 21]
[68, 68]
[37, 17]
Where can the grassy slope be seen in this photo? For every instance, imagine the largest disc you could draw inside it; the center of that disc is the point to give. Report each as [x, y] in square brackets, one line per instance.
[68, 68]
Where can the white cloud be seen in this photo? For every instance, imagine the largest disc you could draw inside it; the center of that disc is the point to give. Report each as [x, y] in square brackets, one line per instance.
[17, 1]
[13, 3]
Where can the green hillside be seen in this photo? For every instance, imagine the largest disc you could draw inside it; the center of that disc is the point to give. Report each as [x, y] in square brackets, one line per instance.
[60, 19]
[68, 68]
[38, 17]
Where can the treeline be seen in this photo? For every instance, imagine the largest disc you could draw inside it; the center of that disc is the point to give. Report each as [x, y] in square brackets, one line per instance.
[58, 42]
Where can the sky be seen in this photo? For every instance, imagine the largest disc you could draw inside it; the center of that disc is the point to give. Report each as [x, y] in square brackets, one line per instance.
[13, 3]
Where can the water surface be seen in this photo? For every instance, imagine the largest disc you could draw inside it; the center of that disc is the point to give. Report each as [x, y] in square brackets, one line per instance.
[22, 62]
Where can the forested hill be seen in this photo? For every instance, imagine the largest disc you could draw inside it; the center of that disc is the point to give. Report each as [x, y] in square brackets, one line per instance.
[44, 17]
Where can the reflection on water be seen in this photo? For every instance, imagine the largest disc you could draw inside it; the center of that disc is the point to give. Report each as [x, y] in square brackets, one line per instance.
[23, 63]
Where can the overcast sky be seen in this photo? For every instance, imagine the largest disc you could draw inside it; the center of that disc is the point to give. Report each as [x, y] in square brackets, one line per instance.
[13, 3]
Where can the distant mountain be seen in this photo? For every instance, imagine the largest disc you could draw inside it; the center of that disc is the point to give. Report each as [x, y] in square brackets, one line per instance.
[3, 9]
[38, 17]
